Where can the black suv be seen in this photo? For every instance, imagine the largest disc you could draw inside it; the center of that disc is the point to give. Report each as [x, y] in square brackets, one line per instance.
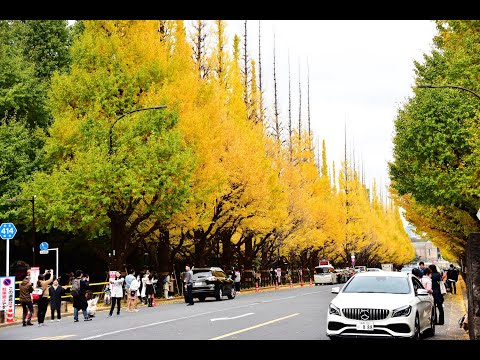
[211, 282]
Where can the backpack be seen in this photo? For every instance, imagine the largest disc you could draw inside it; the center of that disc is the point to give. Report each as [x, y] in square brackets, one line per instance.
[75, 290]
[164, 280]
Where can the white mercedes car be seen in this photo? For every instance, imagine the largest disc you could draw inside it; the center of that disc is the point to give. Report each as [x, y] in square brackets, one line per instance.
[382, 305]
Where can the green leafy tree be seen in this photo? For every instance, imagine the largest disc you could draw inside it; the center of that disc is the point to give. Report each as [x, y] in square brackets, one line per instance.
[437, 143]
[126, 191]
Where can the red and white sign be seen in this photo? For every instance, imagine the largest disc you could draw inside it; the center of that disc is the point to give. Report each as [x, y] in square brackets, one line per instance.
[34, 272]
[7, 294]
[111, 275]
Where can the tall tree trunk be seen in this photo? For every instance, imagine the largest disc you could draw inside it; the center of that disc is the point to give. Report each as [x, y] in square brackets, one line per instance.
[119, 241]
[163, 253]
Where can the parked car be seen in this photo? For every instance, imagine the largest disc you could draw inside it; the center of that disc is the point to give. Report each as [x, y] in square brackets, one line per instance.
[374, 269]
[211, 282]
[381, 304]
[360, 268]
[324, 274]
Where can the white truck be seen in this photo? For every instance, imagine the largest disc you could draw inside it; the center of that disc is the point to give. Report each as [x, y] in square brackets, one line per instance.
[387, 267]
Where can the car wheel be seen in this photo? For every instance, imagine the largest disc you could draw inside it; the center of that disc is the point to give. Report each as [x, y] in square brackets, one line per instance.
[201, 298]
[219, 294]
[416, 329]
[431, 330]
[232, 293]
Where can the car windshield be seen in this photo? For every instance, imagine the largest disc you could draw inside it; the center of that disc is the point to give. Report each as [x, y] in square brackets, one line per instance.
[322, 270]
[200, 275]
[378, 284]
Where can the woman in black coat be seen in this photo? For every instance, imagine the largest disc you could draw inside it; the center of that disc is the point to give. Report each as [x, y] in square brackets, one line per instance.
[437, 295]
[56, 292]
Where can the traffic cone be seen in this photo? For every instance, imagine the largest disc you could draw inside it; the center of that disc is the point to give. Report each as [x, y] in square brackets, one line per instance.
[291, 283]
[311, 283]
[301, 281]
[10, 318]
[256, 287]
[154, 303]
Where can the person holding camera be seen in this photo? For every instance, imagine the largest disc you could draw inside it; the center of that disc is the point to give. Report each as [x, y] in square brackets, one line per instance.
[44, 280]
[79, 299]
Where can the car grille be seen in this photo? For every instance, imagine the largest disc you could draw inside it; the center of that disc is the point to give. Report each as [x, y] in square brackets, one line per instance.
[365, 314]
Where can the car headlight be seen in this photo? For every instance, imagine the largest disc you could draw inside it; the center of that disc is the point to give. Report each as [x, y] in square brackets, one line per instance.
[332, 309]
[402, 311]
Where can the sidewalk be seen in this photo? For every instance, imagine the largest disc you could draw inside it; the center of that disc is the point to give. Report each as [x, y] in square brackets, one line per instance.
[454, 306]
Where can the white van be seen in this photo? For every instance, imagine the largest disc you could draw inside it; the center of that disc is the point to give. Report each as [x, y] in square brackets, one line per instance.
[324, 274]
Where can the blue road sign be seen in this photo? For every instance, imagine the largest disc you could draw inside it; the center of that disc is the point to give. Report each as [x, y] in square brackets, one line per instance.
[44, 246]
[7, 231]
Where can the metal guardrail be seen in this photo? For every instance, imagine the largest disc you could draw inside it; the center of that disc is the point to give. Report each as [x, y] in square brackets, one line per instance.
[66, 296]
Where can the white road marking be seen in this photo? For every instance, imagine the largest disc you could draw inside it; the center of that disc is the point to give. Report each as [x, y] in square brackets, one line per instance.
[231, 318]
[254, 327]
[53, 337]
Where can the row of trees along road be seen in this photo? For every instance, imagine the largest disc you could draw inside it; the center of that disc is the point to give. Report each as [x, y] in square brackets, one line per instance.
[205, 176]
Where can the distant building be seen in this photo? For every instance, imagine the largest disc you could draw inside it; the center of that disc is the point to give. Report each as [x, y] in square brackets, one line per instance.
[424, 249]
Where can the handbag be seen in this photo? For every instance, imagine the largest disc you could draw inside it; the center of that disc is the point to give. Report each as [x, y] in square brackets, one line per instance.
[443, 289]
[37, 293]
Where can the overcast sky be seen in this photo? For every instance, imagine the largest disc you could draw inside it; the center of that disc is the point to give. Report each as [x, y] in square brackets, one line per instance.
[361, 71]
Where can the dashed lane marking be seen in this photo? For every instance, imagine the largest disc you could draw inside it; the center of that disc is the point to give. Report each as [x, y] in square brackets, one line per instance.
[231, 318]
[254, 327]
[59, 337]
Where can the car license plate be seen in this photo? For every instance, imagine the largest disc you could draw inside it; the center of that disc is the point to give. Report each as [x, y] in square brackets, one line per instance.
[199, 283]
[365, 325]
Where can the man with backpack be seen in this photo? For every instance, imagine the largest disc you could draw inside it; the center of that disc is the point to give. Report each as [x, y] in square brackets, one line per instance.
[78, 290]
[452, 278]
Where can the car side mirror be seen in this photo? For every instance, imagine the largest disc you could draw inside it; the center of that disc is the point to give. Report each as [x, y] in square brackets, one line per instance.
[422, 292]
[335, 290]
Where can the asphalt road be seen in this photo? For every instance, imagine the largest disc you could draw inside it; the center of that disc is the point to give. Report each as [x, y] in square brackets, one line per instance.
[287, 314]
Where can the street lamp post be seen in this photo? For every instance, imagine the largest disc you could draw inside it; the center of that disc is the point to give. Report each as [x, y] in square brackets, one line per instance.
[430, 86]
[110, 152]
[110, 148]
[32, 200]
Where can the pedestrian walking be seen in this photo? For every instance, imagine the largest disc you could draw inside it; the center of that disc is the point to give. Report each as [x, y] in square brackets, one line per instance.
[452, 278]
[143, 287]
[78, 290]
[128, 279]
[91, 303]
[26, 289]
[56, 292]
[117, 292]
[273, 275]
[427, 280]
[437, 295]
[171, 290]
[421, 267]
[107, 296]
[237, 280]
[44, 280]
[416, 273]
[133, 293]
[150, 290]
[166, 285]
[188, 285]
